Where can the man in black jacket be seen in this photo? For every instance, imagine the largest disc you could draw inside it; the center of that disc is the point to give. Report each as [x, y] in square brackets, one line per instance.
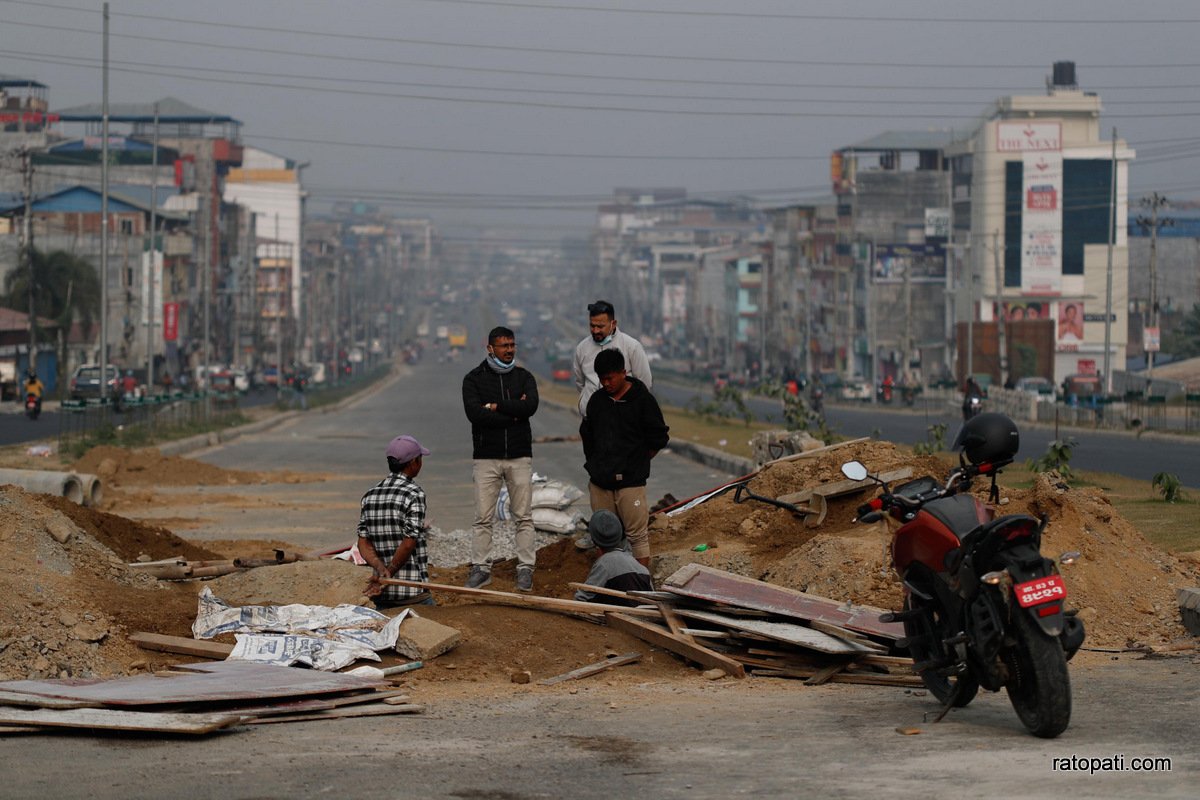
[499, 398]
[622, 430]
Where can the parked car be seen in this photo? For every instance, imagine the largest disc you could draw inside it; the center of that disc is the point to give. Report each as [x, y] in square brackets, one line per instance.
[241, 379]
[85, 383]
[1042, 387]
[562, 371]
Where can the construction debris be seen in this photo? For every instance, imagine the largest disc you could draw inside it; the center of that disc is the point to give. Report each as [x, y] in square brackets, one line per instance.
[424, 639]
[240, 689]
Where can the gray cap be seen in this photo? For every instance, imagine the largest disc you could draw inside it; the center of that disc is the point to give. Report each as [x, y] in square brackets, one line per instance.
[605, 529]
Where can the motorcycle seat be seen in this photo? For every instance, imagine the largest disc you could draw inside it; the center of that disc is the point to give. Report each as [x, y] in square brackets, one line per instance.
[960, 513]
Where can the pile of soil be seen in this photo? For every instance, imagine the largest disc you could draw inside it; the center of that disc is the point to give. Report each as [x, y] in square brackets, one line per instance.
[120, 466]
[66, 607]
[1123, 586]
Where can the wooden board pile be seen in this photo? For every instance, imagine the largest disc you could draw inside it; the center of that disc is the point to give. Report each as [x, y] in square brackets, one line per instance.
[729, 622]
[196, 699]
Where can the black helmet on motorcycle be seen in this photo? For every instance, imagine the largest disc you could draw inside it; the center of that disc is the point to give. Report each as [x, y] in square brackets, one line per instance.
[990, 438]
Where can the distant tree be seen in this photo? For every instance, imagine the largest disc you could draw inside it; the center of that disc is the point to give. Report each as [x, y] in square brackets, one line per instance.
[1184, 342]
[66, 290]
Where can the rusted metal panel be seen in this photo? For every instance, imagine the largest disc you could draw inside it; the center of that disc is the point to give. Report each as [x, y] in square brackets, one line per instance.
[206, 683]
[718, 586]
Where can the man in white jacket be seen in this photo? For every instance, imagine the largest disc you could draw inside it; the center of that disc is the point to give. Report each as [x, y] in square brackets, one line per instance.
[602, 323]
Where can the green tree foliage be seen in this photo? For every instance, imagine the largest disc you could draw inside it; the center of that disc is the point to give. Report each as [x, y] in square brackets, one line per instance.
[66, 290]
[935, 442]
[1057, 458]
[1184, 342]
[1168, 486]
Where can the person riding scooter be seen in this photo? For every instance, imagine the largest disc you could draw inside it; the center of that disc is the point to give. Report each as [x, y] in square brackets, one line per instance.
[972, 399]
[34, 389]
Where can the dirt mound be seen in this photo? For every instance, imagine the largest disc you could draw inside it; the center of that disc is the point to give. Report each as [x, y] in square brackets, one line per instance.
[66, 606]
[498, 641]
[128, 539]
[147, 466]
[328, 582]
[1124, 586]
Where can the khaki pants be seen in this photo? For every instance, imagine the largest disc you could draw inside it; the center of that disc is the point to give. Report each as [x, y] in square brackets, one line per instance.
[489, 475]
[630, 506]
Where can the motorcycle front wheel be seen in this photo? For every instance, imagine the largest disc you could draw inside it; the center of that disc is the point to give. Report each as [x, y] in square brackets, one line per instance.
[926, 634]
[1038, 684]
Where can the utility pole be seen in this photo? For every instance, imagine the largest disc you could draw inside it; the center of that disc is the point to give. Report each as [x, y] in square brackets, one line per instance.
[104, 219]
[1108, 290]
[151, 302]
[1001, 339]
[1152, 223]
[279, 315]
[27, 248]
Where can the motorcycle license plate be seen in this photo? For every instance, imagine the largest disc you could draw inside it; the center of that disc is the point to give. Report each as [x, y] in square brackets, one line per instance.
[1040, 590]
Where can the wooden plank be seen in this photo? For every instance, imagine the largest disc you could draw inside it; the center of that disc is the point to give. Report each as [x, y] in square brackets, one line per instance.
[672, 619]
[847, 634]
[820, 451]
[859, 679]
[206, 682]
[379, 710]
[525, 600]
[707, 583]
[181, 645]
[310, 705]
[36, 701]
[119, 720]
[703, 633]
[7, 730]
[839, 488]
[591, 669]
[786, 632]
[604, 591]
[667, 641]
[824, 674]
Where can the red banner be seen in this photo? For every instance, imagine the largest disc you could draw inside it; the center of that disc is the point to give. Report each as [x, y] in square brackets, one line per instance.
[170, 322]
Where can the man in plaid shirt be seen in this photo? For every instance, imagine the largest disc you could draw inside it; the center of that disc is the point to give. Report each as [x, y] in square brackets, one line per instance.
[391, 528]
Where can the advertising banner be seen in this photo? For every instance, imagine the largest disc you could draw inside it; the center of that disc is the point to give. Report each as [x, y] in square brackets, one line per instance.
[170, 322]
[922, 263]
[1028, 137]
[1041, 223]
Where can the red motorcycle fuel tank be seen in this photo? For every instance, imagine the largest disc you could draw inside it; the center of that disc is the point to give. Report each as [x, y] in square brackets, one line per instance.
[935, 531]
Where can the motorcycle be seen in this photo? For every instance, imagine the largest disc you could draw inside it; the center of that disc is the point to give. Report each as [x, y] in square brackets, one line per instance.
[818, 400]
[972, 406]
[33, 405]
[983, 608]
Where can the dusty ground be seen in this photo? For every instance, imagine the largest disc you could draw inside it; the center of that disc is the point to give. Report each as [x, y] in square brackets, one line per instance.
[66, 607]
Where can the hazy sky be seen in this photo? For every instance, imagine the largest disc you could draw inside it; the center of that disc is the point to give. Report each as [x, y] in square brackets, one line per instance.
[547, 105]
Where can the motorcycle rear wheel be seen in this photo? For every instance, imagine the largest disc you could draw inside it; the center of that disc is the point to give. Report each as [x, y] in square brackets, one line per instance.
[926, 635]
[1039, 687]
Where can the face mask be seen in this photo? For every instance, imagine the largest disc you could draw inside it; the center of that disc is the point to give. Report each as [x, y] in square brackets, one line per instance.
[500, 366]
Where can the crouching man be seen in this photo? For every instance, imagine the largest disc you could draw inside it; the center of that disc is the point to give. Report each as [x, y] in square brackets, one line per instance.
[616, 568]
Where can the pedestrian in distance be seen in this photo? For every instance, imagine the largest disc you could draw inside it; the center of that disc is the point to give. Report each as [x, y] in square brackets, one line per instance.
[603, 335]
[616, 568]
[391, 528]
[622, 430]
[499, 397]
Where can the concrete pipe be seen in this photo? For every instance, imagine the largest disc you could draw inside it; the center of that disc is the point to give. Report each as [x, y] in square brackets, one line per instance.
[61, 484]
[93, 489]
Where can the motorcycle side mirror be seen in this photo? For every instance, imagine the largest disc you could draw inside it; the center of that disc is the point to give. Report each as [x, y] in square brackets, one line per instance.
[854, 470]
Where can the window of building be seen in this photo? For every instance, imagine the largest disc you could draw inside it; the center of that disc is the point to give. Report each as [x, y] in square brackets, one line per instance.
[1086, 205]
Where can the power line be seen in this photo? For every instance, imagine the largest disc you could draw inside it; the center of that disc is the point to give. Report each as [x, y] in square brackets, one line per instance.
[808, 17]
[590, 53]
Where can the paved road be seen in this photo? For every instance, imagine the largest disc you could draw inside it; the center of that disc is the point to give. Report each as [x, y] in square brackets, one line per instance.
[688, 739]
[348, 446]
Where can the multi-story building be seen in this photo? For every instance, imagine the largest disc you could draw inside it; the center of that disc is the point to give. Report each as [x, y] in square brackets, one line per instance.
[1045, 187]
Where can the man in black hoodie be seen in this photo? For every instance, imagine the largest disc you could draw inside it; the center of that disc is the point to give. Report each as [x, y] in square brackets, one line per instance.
[499, 398]
[622, 430]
